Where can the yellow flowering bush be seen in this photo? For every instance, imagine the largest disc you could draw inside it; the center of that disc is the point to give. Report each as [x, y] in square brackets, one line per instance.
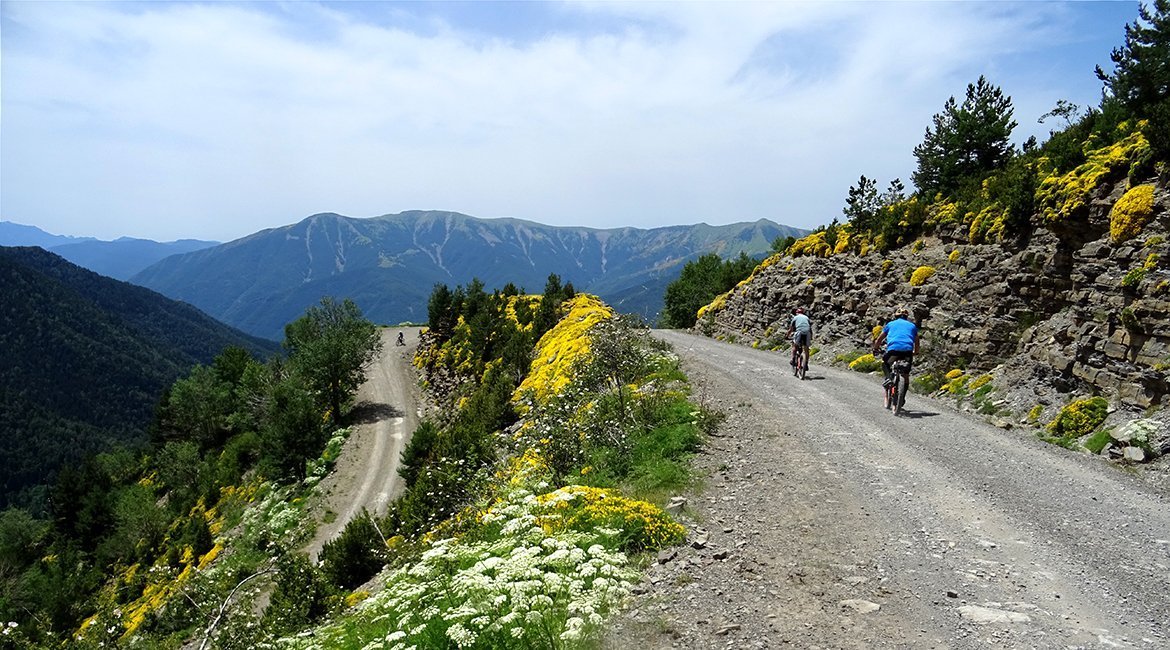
[942, 212]
[865, 363]
[1079, 418]
[920, 275]
[1131, 213]
[715, 305]
[813, 244]
[557, 351]
[981, 381]
[843, 239]
[989, 224]
[955, 374]
[1062, 197]
[582, 508]
[954, 256]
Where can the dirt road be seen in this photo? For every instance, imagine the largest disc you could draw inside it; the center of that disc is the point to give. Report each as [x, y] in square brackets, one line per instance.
[830, 523]
[384, 415]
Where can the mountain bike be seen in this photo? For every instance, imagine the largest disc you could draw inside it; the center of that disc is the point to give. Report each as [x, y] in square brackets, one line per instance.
[801, 366]
[895, 393]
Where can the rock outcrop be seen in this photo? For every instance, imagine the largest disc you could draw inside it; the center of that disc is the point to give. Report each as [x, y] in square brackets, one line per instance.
[1051, 315]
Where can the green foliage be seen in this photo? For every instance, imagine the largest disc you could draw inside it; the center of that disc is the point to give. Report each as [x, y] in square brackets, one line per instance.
[1079, 418]
[848, 357]
[697, 285]
[966, 141]
[1097, 441]
[926, 383]
[302, 595]
[1140, 81]
[356, 555]
[85, 359]
[330, 347]
[418, 451]
[293, 432]
[781, 244]
[1130, 321]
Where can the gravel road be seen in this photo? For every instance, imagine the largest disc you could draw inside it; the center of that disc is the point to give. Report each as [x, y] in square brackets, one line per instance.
[385, 413]
[826, 522]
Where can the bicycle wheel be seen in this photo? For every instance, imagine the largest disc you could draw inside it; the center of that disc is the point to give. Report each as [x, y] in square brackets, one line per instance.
[801, 366]
[902, 384]
[887, 394]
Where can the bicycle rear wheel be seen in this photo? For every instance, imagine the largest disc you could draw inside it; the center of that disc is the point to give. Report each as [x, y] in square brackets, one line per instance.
[901, 385]
[801, 365]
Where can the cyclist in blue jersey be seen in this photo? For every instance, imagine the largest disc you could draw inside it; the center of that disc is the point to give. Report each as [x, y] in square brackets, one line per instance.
[901, 339]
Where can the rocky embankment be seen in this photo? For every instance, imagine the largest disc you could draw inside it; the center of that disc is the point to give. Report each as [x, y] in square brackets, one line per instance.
[1052, 316]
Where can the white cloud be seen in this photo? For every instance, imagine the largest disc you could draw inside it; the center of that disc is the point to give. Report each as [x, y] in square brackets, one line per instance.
[216, 120]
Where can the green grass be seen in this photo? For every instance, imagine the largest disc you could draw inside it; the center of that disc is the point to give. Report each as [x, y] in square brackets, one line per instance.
[1096, 442]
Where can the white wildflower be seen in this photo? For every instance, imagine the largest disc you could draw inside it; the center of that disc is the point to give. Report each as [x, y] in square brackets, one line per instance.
[462, 636]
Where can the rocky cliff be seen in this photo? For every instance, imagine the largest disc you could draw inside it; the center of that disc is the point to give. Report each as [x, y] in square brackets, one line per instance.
[1051, 315]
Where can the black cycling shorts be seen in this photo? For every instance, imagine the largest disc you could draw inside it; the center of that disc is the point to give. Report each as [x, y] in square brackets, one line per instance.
[800, 338]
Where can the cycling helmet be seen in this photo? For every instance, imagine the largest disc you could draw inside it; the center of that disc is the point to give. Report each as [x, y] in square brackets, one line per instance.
[902, 312]
[800, 310]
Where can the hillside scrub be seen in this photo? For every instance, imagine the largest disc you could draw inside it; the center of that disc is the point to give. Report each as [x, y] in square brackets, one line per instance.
[517, 532]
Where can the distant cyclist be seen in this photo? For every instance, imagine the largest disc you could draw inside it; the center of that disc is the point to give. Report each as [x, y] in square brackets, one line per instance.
[901, 339]
[800, 329]
[401, 340]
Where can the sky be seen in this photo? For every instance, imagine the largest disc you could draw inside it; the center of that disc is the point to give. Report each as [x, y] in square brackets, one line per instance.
[213, 120]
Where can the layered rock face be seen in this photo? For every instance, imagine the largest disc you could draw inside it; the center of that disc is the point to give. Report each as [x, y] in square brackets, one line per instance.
[1052, 316]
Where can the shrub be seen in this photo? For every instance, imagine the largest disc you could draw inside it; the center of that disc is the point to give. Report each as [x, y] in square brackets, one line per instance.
[355, 555]
[1035, 413]
[1065, 196]
[865, 363]
[1133, 278]
[978, 383]
[926, 384]
[954, 374]
[920, 275]
[1079, 418]
[1130, 321]
[302, 595]
[639, 525]
[954, 256]
[848, 357]
[1131, 213]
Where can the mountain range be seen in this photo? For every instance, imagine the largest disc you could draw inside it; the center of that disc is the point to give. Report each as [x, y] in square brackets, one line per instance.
[86, 359]
[119, 259]
[389, 264]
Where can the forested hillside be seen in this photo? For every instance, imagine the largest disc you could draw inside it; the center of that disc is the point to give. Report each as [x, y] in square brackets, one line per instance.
[388, 264]
[86, 359]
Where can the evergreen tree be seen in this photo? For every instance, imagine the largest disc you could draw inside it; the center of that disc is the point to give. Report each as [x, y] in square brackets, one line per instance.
[966, 141]
[1141, 75]
[861, 206]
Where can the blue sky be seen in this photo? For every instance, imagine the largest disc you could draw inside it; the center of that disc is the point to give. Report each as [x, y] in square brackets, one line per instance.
[214, 120]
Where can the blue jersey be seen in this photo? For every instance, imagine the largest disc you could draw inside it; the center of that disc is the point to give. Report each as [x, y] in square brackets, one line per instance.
[900, 335]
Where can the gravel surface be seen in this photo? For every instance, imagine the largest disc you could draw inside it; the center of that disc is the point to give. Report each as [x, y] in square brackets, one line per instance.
[826, 522]
[385, 414]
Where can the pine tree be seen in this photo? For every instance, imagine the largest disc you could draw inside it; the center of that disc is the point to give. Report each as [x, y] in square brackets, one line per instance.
[966, 141]
[1141, 74]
